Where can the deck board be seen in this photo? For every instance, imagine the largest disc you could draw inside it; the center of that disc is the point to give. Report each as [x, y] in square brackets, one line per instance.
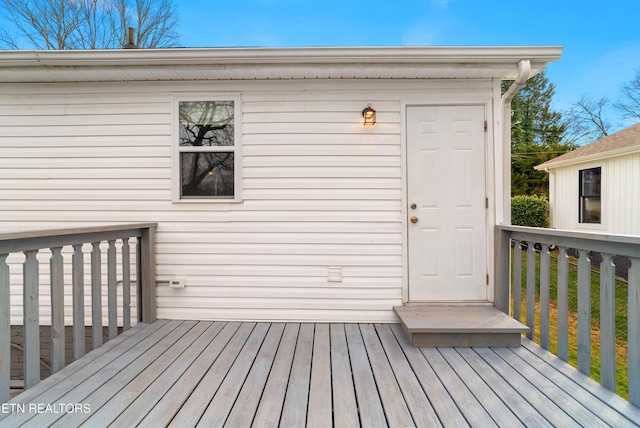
[345, 408]
[570, 405]
[412, 392]
[370, 406]
[201, 373]
[551, 411]
[247, 402]
[319, 414]
[522, 409]
[435, 391]
[270, 406]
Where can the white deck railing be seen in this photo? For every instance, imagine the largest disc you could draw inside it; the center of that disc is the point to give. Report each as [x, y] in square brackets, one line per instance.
[511, 238]
[30, 243]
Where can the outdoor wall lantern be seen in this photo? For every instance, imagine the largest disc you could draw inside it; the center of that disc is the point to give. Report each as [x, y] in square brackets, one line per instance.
[369, 115]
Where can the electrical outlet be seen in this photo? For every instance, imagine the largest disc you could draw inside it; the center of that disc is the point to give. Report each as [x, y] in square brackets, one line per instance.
[177, 282]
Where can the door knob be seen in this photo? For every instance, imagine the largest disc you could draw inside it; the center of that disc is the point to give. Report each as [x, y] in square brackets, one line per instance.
[414, 219]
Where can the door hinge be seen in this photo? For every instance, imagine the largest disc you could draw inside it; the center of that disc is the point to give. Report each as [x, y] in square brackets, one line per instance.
[487, 279]
[486, 203]
[486, 126]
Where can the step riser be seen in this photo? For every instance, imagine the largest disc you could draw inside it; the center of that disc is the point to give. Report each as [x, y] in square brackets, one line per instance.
[464, 340]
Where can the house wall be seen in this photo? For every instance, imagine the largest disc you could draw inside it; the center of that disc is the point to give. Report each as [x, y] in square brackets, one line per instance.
[620, 196]
[319, 189]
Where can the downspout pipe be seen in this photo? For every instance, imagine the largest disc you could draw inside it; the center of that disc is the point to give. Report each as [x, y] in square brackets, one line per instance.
[524, 72]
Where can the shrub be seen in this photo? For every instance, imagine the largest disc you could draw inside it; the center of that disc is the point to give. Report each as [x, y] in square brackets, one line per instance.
[532, 211]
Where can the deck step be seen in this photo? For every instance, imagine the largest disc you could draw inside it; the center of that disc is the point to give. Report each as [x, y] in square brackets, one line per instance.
[459, 326]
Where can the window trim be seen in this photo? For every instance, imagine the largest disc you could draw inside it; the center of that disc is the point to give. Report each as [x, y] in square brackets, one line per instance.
[176, 149]
[581, 196]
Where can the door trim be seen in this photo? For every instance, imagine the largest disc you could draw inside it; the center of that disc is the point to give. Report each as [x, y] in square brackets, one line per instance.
[490, 186]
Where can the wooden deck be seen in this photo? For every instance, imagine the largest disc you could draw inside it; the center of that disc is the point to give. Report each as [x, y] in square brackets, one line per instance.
[188, 373]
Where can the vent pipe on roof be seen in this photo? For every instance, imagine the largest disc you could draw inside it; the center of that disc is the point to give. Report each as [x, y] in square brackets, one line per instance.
[524, 72]
[131, 42]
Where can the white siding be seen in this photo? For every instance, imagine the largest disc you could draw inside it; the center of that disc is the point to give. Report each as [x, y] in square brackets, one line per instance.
[620, 196]
[319, 189]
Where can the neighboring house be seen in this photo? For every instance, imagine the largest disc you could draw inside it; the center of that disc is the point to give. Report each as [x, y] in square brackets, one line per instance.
[597, 187]
[274, 200]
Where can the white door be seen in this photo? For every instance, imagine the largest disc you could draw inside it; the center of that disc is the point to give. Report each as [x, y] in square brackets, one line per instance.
[446, 191]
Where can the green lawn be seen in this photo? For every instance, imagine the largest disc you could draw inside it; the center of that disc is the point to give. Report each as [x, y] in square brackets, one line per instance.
[621, 318]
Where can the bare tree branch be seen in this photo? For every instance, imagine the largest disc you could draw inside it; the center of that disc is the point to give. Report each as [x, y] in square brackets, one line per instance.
[89, 24]
[629, 102]
[586, 121]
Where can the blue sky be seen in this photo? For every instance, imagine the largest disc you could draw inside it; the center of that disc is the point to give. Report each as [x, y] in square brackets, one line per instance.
[601, 40]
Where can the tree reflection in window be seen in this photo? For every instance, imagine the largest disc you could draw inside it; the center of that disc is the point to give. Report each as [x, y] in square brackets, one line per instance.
[589, 193]
[207, 151]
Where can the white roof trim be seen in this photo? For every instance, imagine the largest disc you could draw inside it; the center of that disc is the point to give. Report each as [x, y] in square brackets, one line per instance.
[481, 61]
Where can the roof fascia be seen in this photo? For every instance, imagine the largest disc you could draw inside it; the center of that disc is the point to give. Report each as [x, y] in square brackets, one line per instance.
[539, 55]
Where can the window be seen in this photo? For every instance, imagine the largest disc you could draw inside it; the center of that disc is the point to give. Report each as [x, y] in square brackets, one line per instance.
[207, 159]
[590, 195]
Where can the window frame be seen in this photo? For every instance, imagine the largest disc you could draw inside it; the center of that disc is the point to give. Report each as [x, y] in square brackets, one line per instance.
[236, 149]
[582, 197]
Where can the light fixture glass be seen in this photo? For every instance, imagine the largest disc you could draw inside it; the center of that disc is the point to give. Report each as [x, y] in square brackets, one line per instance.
[369, 115]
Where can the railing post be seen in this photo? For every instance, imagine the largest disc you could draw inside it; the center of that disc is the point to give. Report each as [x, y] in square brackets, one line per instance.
[31, 320]
[147, 261]
[57, 310]
[502, 286]
[5, 329]
[78, 301]
[126, 285]
[634, 332]
[584, 312]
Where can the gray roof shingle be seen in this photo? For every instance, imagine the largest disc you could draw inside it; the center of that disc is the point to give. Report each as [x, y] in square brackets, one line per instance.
[628, 137]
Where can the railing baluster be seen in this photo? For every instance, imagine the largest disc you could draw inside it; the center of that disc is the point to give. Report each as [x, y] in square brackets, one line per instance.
[30, 243]
[78, 302]
[31, 319]
[607, 323]
[126, 285]
[112, 292]
[544, 296]
[584, 312]
[531, 289]
[517, 280]
[634, 332]
[563, 304]
[96, 295]
[583, 242]
[57, 310]
[5, 329]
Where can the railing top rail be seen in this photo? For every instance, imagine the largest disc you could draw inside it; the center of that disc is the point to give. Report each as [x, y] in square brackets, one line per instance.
[36, 239]
[623, 245]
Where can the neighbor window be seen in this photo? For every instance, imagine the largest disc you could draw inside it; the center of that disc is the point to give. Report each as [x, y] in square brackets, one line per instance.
[207, 149]
[590, 180]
